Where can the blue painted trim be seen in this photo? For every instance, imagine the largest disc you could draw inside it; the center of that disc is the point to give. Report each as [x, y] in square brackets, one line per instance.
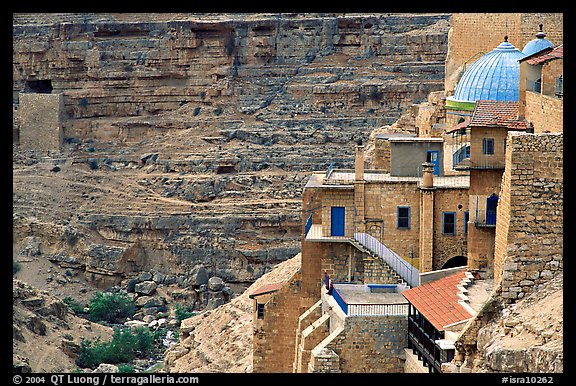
[443, 218]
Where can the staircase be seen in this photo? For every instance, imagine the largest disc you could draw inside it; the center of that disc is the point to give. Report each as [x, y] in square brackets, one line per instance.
[405, 272]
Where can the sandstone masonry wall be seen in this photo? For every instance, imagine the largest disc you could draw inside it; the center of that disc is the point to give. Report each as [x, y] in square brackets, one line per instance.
[529, 229]
[39, 119]
[371, 344]
[545, 112]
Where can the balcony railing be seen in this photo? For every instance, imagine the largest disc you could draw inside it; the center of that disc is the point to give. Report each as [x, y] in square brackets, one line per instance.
[427, 346]
[492, 161]
[485, 218]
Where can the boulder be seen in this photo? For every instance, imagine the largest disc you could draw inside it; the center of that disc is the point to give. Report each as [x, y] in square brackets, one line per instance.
[199, 276]
[135, 323]
[35, 324]
[145, 276]
[146, 287]
[215, 283]
[106, 368]
[70, 348]
[142, 300]
[159, 277]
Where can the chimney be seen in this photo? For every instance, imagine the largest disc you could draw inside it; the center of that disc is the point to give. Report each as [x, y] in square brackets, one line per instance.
[359, 163]
[427, 175]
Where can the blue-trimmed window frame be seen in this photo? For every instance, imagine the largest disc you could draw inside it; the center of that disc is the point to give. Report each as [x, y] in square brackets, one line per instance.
[488, 146]
[466, 219]
[405, 218]
[444, 223]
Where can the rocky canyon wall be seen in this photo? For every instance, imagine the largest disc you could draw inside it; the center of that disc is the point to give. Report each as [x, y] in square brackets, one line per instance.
[187, 138]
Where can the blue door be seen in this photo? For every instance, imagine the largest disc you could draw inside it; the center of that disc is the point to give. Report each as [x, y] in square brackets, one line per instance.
[434, 157]
[491, 204]
[337, 221]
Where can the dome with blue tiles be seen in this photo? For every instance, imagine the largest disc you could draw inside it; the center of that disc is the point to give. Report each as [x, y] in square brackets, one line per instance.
[494, 76]
[538, 44]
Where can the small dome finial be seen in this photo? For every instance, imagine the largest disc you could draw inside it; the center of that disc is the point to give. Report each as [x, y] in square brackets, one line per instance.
[506, 38]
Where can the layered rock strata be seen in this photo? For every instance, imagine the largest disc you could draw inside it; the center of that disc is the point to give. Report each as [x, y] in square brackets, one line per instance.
[187, 138]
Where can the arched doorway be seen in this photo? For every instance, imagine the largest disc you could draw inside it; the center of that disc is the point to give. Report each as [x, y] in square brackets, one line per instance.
[456, 261]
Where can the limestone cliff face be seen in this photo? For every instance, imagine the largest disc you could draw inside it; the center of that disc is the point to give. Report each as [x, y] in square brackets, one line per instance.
[525, 337]
[111, 65]
[188, 137]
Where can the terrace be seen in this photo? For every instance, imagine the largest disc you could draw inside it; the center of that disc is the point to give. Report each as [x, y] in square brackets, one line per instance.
[371, 299]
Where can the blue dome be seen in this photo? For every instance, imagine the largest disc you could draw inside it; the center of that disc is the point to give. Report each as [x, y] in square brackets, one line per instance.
[537, 45]
[494, 76]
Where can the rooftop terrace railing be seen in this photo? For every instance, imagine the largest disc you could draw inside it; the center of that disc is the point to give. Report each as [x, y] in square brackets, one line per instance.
[368, 309]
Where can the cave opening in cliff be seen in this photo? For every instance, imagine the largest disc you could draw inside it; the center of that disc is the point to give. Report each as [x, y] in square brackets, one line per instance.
[225, 169]
[38, 86]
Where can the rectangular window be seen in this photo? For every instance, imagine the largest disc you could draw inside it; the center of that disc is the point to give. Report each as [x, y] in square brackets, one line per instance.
[488, 146]
[260, 310]
[403, 217]
[466, 218]
[448, 223]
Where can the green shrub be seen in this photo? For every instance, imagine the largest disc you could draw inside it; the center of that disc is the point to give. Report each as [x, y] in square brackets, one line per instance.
[125, 346]
[125, 368]
[183, 312]
[91, 354]
[110, 307]
[16, 266]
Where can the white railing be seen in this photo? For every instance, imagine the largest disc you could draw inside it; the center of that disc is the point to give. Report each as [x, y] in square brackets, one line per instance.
[377, 309]
[405, 270]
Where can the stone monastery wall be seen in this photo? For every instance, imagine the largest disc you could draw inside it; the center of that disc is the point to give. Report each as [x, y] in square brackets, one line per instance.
[529, 229]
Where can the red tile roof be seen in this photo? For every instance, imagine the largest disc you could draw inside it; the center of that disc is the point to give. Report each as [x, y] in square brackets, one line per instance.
[438, 300]
[546, 55]
[497, 114]
[266, 289]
